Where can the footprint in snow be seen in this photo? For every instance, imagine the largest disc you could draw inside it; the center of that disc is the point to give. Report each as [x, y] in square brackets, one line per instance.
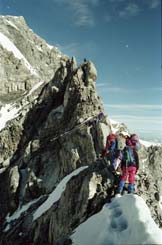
[114, 205]
[118, 222]
[117, 212]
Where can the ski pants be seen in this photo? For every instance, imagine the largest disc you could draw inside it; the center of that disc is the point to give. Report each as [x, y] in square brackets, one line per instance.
[130, 174]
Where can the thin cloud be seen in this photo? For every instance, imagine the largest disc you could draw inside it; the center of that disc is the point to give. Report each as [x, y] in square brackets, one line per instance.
[134, 106]
[83, 14]
[127, 9]
[116, 1]
[82, 11]
[78, 49]
[153, 3]
[108, 88]
[72, 49]
[132, 9]
[133, 118]
[117, 90]
[101, 85]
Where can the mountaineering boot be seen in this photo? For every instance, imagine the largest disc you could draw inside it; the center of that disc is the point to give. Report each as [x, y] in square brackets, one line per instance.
[130, 188]
[118, 195]
[121, 186]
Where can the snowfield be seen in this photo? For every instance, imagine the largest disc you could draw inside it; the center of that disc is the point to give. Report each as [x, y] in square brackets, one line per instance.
[7, 113]
[9, 45]
[126, 220]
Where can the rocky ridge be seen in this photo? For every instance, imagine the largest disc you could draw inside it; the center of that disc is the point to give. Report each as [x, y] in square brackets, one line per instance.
[49, 151]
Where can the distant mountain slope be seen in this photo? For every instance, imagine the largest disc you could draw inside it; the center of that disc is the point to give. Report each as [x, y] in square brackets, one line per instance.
[25, 58]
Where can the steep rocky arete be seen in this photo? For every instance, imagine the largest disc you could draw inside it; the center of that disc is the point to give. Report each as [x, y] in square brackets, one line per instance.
[51, 176]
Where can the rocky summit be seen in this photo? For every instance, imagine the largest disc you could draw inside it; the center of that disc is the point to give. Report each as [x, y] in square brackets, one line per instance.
[53, 130]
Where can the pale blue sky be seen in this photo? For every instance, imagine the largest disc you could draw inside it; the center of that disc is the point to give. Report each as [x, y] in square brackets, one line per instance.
[122, 38]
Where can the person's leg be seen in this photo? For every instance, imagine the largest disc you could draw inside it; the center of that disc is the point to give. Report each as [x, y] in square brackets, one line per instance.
[122, 181]
[131, 179]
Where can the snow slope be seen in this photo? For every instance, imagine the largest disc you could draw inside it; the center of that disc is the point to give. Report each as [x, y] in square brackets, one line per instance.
[18, 213]
[126, 220]
[9, 45]
[56, 194]
[7, 113]
[11, 111]
[148, 144]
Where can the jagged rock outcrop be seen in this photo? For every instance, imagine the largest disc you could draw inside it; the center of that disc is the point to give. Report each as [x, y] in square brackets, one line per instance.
[50, 171]
[53, 134]
[53, 143]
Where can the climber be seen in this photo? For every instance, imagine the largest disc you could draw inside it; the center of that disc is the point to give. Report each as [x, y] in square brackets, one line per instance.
[111, 152]
[84, 67]
[120, 145]
[129, 163]
[101, 116]
[96, 119]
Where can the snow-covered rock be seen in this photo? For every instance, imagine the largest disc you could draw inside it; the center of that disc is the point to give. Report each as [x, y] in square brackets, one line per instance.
[26, 59]
[126, 220]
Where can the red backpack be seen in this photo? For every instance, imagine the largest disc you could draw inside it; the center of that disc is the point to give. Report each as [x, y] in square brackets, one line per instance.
[110, 139]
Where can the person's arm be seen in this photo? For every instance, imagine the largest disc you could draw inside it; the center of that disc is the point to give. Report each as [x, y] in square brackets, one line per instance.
[107, 145]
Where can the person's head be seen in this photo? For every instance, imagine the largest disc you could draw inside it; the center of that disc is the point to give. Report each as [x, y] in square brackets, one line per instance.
[111, 137]
[133, 142]
[128, 141]
[100, 115]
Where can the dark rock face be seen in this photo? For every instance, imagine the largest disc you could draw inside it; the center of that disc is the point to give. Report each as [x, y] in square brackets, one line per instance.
[149, 180]
[56, 132]
[56, 138]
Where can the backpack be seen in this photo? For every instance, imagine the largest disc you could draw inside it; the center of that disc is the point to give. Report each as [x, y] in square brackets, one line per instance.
[130, 157]
[111, 142]
[121, 142]
[127, 156]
